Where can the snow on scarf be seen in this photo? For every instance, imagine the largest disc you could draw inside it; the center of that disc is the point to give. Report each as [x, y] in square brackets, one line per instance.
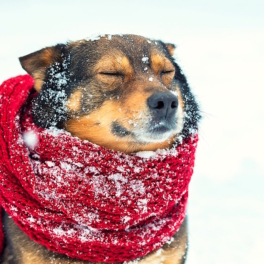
[83, 200]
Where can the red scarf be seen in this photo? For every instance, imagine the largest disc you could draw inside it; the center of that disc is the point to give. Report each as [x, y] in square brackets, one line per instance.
[83, 200]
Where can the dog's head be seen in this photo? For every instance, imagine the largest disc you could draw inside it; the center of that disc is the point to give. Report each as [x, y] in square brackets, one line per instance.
[122, 92]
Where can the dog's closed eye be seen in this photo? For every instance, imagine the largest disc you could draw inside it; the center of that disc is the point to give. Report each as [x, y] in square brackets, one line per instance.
[111, 78]
[112, 74]
[167, 76]
[166, 72]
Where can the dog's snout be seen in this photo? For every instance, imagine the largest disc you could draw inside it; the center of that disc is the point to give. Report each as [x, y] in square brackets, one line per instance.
[163, 104]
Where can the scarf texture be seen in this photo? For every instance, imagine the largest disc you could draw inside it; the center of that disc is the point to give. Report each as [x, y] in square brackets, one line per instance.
[83, 200]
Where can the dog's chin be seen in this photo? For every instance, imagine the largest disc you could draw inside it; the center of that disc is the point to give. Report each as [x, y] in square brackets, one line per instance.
[158, 133]
[146, 138]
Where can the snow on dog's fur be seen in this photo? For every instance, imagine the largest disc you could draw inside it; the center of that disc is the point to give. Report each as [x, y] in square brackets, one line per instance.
[125, 93]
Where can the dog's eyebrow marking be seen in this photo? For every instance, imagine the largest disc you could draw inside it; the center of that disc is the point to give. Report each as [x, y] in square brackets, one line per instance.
[163, 68]
[160, 63]
[115, 63]
[74, 102]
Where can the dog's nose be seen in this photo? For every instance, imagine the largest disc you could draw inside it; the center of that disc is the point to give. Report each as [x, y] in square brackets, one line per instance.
[163, 104]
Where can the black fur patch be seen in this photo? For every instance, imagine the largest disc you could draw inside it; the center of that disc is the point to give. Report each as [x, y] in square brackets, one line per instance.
[119, 130]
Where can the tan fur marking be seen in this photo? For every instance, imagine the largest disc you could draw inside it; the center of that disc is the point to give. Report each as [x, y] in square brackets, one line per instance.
[157, 63]
[116, 63]
[48, 56]
[38, 77]
[180, 97]
[171, 48]
[74, 102]
[162, 68]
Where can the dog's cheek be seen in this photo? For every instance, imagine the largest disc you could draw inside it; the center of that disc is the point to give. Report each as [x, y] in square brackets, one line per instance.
[73, 104]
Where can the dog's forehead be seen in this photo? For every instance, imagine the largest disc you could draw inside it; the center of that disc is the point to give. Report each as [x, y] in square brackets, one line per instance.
[132, 46]
[129, 43]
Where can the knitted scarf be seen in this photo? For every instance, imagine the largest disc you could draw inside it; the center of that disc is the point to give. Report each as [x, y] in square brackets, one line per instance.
[83, 200]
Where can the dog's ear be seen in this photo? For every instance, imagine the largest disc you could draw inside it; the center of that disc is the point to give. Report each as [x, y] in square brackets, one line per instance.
[48, 68]
[37, 62]
[171, 48]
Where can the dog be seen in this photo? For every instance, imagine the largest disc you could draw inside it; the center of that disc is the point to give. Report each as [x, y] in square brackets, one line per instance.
[124, 92]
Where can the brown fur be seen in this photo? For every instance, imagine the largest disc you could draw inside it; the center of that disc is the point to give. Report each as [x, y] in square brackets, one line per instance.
[180, 99]
[136, 89]
[110, 86]
[171, 48]
[162, 68]
[99, 124]
[112, 64]
[74, 101]
[38, 63]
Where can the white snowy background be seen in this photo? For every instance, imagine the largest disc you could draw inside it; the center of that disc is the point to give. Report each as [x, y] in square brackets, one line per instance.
[220, 48]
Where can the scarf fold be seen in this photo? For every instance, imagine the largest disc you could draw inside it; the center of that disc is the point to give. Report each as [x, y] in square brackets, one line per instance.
[83, 200]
